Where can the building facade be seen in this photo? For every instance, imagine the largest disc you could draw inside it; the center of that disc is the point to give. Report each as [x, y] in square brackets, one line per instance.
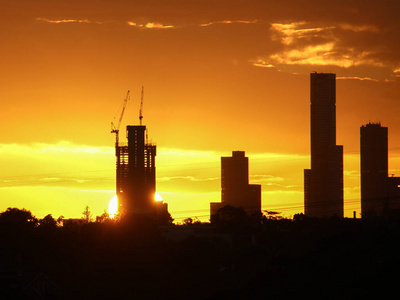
[323, 183]
[235, 188]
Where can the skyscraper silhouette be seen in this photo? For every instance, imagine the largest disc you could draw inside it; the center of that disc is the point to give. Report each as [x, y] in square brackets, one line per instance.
[380, 194]
[374, 169]
[136, 173]
[235, 188]
[323, 183]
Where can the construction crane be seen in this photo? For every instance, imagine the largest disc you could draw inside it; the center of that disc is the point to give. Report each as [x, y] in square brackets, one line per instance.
[141, 108]
[141, 114]
[115, 129]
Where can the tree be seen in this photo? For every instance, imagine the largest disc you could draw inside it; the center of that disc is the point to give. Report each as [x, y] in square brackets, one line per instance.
[103, 218]
[18, 217]
[299, 217]
[48, 222]
[187, 221]
[164, 217]
[272, 215]
[60, 220]
[196, 221]
[230, 215]
[87, 215]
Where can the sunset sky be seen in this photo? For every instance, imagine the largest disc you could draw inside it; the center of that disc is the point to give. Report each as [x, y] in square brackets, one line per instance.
[218, 76]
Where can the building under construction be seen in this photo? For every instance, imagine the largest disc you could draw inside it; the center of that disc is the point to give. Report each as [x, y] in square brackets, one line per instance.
[136, 170]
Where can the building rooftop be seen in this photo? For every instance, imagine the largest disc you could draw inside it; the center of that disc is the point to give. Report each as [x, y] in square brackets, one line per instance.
[371, 124]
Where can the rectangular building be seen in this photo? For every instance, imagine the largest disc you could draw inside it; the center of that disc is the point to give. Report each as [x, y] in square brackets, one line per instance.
[380, 194]
[374, 169]
[235, 188]
[136, 172]
[323, 183]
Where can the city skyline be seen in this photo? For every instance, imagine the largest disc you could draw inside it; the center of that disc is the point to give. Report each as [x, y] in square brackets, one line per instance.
[218, 79]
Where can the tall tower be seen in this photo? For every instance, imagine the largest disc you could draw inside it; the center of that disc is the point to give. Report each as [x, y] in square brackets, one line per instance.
[323, 183]
[374, 169]
[235, 188]
[234, 178]
[136, 172]
[141, 181]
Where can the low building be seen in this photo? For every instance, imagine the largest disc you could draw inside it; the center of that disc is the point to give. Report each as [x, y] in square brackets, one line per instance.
[235, 188]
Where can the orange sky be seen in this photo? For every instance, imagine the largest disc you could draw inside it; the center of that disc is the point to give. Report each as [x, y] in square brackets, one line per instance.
[231, 75]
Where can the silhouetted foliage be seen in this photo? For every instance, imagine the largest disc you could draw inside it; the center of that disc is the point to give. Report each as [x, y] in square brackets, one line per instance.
[103, 218]
[299, 217]
[48, 222]
[60, 220]
[230, 216]
[187, 221]
[164, 218]
[272, 215]
[18, 217]
[133, 259]
[87, 215]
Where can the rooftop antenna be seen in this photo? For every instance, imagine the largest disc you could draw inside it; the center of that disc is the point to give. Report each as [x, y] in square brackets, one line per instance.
[141, 108]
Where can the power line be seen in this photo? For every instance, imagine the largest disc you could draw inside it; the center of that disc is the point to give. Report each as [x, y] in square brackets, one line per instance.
[192, 213]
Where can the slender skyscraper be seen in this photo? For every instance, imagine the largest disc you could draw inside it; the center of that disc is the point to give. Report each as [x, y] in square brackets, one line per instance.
[323, 183]
[374, 169]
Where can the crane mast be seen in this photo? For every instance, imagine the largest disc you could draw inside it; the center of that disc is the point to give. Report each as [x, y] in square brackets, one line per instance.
[141, 114]
[115, 129]
[141, 108]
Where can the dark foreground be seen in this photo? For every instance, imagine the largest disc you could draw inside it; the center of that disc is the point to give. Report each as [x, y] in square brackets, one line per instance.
[326, 259]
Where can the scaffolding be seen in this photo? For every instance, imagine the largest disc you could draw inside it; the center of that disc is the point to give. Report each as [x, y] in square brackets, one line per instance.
[122, 165]
[136, 171]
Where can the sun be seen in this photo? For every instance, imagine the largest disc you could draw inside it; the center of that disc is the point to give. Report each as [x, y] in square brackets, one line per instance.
[113, 207]
[157, 197]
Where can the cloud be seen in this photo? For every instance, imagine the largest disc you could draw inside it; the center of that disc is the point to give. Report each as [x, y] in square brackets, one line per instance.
[154, 25]
[265, 178]
[228, 22]
[271, 182]
[261, 63]
[190, 178]
[289, 186]
[61, 164]
[291, 33]
[351, 173]
[89, 183]
[62, 146]
[344, 46]
[308, 45]
[68, 21]
[359, 28]
[150, 25]
[356, 78]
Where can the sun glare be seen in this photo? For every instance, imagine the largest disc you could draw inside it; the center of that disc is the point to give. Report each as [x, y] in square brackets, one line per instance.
[113, 207]
[157, 197]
